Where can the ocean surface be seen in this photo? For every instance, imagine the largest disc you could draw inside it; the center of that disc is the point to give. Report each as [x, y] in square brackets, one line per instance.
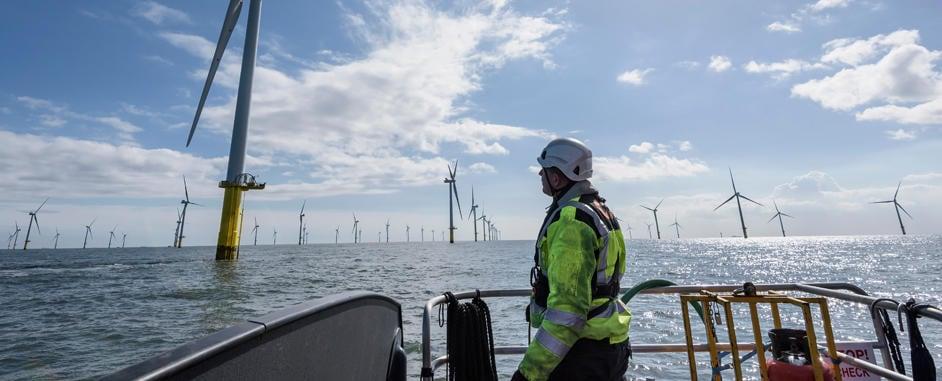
[79, 314]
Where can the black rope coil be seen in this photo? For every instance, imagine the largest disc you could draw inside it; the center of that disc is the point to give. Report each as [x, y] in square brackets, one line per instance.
[921, 359]
[892, 341]
[470, 340]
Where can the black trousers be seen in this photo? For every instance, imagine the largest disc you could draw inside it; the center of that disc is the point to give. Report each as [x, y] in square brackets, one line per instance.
[594, 360]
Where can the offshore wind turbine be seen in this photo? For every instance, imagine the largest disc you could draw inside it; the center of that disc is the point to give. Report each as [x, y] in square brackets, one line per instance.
[737, 196]
[237, 181]
[16, 233]
[88, 232]
[433, 235]
[379, 237]
[356, 224]
[124, 239]
[176, 232]
[337, 235]
[676, 226]
[423, 233]
[111, 236]
[360, 236]
[483, 219]
[656, 224]
[255, 232]
[474, 213]
[274, 237]
[387, 230]
[301, 223]
[649, 231]
[628, 227]
[56, 244]
[186, 202]
[408, 239]
[898, 207]
[32, 217]
[779, 214]
[452, 196]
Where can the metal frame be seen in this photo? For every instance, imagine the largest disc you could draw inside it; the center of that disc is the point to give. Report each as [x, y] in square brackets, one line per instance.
[830, 290]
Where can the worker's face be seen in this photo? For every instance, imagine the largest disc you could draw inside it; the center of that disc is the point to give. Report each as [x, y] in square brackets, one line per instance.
[547, 178]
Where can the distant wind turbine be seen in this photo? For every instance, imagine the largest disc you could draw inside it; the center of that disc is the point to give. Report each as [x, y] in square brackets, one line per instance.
[656, 224]
[111, 235]
[629, 231]
[255, 232]
[387, 230]
[738, 196]
[408, 237]
[433, 235]
[274, 237]
[779, 214]
[88, 232]
[423, 233]
[649, 231]
[301, 223]
[16, 233]
[676, 226]
[452, 196]
[483, 219]
[32, 217]
[56, 244]
[379, 237]
[898, 207]
[337, 235]
[124, 239]
[186, 202]
[474, 213]
[356, 224]
[176, 232]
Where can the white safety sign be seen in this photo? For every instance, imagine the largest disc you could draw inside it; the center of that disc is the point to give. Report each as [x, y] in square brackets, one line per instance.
[860, 351]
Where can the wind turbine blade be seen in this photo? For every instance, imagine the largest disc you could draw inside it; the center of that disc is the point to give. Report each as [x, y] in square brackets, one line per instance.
[658, 204]
[724, 202]
[303, 205]
[232, 16]
[93, 222]
[897, 189]
[41, 205]
[897, 204]
[457, 199]
[193, 203]
[40, 232]
[776, 206]
[882, 202]
[788, 215]
[750, 200]
[646, 207]
[731, 180]
[185, 191]
[773, 217]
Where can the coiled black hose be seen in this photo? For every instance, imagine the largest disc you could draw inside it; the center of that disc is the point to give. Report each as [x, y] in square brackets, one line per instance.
[892, 341]
[470, 340]
[923, 365]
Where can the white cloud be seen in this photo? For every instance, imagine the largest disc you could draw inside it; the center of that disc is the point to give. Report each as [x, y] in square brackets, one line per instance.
[783, 69]
[67, 168]
[720, 64]
[925, 113]
[380, 121]
[635, 77]
[652, 167]
[689, 65]
[900, 134]
[50, 120]
[644, 147]
[158, 13]
[811, 183]
[685, 146]
[482, 168]
[783, 27]
[821, 5]
[904, 79]
[854, 52]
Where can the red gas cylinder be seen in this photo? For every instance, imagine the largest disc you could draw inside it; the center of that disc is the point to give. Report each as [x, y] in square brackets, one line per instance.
[784, 371]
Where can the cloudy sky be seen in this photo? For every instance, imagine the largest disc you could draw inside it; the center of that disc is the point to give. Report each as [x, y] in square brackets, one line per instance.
[820, 107]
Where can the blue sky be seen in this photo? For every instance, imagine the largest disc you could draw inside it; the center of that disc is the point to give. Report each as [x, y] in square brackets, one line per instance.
[821, 106]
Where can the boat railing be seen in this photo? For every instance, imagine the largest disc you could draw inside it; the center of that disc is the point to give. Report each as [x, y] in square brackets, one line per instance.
[841, 291]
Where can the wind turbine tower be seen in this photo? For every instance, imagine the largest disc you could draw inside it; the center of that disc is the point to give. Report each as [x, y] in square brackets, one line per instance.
[88, 232]
[387, 230]
[474, 213]
[356, 224]
[337, 235]
[676, 226]
[255, 231]
[656, 224]
[111, 235]
[32, 217]
[176, 232]
[898, 207]
[301, 223]
[452, 197]
[237, 181]
[274, 237]
[649, 231]
[738, 196]
[186, 202]
[779, 214]
[483, 219]
[423, 233]
[16, 233]
[124, 239]
[408, 238]
[56, 244]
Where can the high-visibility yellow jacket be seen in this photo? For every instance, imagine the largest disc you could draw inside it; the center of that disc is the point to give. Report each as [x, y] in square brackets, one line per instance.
[566, 251]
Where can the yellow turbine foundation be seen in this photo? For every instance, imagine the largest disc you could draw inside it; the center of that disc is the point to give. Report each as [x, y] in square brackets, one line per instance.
[227, 247]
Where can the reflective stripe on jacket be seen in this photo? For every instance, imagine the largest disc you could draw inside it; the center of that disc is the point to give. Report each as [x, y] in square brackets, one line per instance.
[567, 249]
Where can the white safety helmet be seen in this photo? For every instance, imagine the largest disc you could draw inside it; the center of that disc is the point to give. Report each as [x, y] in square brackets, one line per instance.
[570, 156]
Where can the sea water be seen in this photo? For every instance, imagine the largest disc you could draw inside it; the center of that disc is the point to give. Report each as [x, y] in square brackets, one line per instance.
[76, 314]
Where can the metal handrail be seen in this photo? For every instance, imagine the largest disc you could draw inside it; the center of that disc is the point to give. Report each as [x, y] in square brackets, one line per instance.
[855, 294]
